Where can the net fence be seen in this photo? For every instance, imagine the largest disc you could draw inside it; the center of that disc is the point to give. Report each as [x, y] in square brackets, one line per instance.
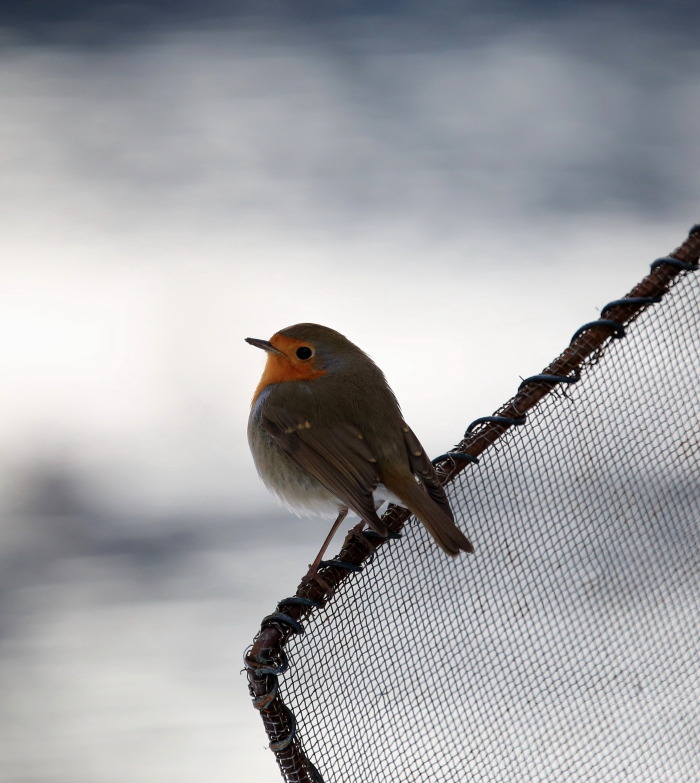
[567, 648]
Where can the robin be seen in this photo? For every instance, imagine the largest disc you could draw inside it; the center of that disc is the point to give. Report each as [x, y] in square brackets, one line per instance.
[327, 435]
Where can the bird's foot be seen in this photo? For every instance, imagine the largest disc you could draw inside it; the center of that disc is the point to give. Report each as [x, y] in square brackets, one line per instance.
[313, 575]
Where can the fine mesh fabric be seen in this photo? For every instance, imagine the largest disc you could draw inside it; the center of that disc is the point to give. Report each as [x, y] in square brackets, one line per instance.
[567, 648]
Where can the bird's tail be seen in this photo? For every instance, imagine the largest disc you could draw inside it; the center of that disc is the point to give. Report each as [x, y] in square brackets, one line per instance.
[440, 526]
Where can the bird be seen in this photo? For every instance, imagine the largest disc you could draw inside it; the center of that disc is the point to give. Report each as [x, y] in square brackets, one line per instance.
[327, 436]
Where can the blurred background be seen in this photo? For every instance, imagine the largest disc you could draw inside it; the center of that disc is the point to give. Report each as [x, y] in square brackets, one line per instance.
[456, 186]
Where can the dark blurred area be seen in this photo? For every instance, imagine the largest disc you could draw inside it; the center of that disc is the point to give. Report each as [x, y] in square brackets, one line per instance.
[87, 22]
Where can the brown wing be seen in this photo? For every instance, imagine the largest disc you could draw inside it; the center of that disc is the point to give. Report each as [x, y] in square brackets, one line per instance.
[431, 506]
[423, 468]
[338, 456]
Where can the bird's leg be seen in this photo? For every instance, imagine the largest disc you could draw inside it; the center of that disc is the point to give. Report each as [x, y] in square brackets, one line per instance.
[313, 568]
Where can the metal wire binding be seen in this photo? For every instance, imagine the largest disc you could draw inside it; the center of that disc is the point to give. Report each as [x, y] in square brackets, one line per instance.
[616, 326]
[371, 535]
[262, 666]
[495, 420]
[669, 261]
[455, 455]
[544, 378]
[374, 535]
[366, 543]
[281, 617]
[296, 600]
[285, 742]
[635, 300]
[340, 564]
[264, 701]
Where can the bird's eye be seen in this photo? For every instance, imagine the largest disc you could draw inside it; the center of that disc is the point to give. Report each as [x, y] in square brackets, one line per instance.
[304, 352]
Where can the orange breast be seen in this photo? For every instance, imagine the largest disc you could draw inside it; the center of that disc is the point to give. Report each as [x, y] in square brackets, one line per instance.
[287, 367]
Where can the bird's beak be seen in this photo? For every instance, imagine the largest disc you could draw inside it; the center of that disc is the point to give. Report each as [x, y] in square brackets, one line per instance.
[266, 345]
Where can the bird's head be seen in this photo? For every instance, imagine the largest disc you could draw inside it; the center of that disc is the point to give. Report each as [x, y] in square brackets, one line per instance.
[304, 352]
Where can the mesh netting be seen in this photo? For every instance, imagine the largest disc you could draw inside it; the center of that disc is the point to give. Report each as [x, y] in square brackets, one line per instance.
[567, 648]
